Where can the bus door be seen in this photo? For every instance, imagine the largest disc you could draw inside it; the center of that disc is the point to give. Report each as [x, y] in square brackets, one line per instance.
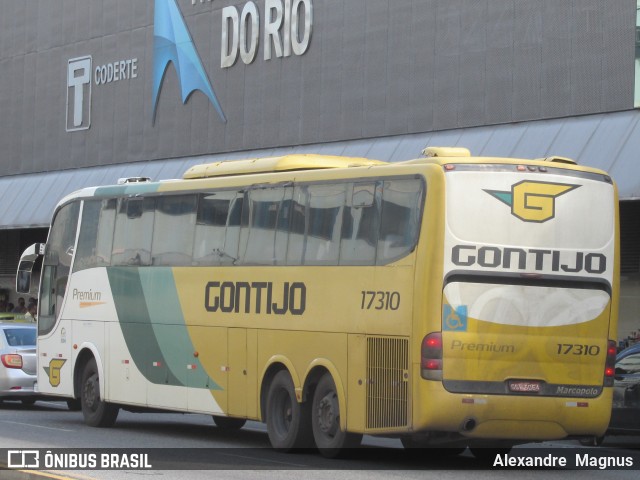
[54, 346]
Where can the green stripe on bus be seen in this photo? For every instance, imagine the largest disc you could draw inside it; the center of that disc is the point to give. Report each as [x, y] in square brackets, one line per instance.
[160, 350]
[127, 189]
[169, 326]
[135, 323]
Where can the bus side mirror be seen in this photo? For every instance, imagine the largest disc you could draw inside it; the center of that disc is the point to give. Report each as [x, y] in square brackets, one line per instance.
[25, 267]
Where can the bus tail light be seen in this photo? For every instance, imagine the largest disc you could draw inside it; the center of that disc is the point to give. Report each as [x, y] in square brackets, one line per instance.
[610, 364]
[431, 356]
[12, 360]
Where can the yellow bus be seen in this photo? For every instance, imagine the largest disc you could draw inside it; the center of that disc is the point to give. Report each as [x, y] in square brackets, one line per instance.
[443, 299]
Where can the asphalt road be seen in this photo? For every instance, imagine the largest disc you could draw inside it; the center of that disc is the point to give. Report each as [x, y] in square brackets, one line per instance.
[180, 443]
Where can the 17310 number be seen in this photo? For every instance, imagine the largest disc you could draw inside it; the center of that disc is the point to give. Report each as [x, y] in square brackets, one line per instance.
[372, 300]
[577, 349]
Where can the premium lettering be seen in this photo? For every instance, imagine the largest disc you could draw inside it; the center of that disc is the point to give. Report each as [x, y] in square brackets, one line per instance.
[482, 347]
[88, 295]
[256, 297]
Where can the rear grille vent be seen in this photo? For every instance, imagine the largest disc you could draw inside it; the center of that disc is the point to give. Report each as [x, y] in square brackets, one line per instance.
[387, 382]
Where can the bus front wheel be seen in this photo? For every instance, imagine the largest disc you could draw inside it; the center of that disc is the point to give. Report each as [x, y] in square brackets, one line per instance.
[288, 422]
[325, 420]
[96, 412]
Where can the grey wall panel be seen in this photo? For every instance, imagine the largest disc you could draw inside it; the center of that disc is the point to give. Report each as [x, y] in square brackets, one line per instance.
[291, 105]
[373, 68]
[447, 64]
[16, 43]
[423, 72]
[26, 149]
[311, 98]
[586, 68]
[109, 18]
[6, 14]
[271, 93]
[527, 78]
[617, 67]
[139, 109]
[472, 79]
[124, 15]
[251, 115]
[96, 16]
[556, 51]
[352, 69]
[332, 47]
[398, 67]
[376, 62]
[500, 46]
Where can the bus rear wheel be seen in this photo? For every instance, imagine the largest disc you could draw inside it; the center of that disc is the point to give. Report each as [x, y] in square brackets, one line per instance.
[288, 422]
[325, 420]
[96, 412]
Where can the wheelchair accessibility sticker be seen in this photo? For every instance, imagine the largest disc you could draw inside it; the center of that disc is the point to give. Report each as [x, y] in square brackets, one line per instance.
[454, 319]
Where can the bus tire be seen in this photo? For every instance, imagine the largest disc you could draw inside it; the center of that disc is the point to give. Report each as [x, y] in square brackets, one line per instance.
[229, 423]
[96, 412]
[325, 420]
[288, 422]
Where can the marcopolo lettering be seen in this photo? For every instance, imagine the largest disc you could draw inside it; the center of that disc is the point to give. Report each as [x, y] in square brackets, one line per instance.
[518, 258]
[256, 297]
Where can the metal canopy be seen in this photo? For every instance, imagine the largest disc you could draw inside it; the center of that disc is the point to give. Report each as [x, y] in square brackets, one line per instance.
[608, 141]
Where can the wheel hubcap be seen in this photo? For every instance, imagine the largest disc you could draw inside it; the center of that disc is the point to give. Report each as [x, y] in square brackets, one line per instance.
[285, 414]
[91, 393]
[327, 414]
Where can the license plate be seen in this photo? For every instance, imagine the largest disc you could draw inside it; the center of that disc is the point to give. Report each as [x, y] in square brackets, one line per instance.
[525, 386]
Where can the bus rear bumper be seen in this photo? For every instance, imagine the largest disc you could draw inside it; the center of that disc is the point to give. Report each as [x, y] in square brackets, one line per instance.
[514, 417]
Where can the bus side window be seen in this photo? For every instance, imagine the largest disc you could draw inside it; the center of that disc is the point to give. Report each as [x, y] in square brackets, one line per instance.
[326, 206]
[360, 225]
[217, 228]
[57, 264]
[173, 231]
[266, 208]
[399, 219]
[86, 251]
[297, 225]
[132, 239]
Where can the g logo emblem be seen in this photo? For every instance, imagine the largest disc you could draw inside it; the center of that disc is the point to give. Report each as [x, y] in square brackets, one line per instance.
[533, 201]
[53, 371]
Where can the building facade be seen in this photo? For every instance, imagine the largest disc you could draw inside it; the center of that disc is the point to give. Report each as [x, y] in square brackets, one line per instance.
[94, 91]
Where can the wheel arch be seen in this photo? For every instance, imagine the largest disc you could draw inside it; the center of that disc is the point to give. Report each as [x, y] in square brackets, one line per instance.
[86, 352]
[271, 368]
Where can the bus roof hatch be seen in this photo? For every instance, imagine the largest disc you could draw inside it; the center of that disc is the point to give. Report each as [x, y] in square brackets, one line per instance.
[446, 152]
[276, 164]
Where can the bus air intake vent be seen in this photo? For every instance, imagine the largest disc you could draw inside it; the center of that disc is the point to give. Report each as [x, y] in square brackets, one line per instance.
[387, 382]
